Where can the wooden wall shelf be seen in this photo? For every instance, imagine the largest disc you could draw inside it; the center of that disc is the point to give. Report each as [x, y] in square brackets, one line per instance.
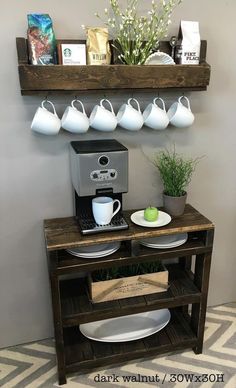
[59, 79]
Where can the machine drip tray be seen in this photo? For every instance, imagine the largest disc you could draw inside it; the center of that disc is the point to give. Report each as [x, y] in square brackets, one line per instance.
[89, 226]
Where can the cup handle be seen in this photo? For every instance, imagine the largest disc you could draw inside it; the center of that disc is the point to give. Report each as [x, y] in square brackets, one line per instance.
[188, 103]
[134, 99]
[163, 103]
[119, 206]
[49, 102]
[105, 100]
[82, 105]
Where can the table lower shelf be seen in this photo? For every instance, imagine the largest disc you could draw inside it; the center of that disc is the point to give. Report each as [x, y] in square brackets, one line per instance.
[77, 308]
[82, 354]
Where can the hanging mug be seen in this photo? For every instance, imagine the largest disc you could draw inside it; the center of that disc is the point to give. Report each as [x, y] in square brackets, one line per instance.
[179, 115]
[73, 120]
[156, 117]
[130, 118]
[103, 119]
[46, 122]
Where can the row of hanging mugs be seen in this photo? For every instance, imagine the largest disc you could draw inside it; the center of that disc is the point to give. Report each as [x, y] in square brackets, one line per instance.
[104, 118]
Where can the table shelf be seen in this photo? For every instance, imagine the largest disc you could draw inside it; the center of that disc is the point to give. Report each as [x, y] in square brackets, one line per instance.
[82, 353]
[77, 307]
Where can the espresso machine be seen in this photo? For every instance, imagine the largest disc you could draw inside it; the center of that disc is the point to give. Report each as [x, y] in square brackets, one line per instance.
[98, 168]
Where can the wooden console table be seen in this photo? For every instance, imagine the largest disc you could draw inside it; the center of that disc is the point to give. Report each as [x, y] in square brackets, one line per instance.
[71, 304]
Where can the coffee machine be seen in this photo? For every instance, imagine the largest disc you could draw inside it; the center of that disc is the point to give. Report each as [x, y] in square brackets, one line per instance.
[98, 168]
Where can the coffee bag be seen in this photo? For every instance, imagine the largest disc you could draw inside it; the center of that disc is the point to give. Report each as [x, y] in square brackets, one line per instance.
[98, 48]
[41, 40]
[189, 44]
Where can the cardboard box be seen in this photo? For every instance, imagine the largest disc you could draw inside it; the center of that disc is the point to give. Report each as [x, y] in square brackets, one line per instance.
[71, 54]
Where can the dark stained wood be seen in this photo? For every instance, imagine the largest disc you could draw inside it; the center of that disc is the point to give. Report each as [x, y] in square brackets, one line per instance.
[72, 306]
[97, 92]
[77, 308]
[57, 317]
[35, 78]
[201, 279]
[63, 233]
[22, 51]
[68, 263]
[59, 77]
[82, 353]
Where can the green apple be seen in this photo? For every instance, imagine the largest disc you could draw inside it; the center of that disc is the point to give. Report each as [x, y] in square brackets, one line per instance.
[151, 214]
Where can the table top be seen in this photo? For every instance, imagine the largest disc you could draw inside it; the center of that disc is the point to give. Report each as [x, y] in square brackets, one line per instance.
[63, 233]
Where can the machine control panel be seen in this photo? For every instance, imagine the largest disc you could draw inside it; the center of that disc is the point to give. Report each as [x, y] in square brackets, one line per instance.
[103, 175]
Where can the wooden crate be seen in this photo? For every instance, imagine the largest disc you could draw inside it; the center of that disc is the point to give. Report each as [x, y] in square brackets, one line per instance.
[128, 286]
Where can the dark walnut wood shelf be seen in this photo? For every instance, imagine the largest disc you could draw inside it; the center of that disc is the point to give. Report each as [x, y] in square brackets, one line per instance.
[82, 354]
[72, 306]
[77, 308]
[56, 79]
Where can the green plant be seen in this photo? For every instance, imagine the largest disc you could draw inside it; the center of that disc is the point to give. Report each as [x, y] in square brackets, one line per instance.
[126, 271]
[175, 171]
[137, 36]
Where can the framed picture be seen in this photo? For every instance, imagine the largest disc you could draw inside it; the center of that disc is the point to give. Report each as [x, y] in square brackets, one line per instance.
[71, 53]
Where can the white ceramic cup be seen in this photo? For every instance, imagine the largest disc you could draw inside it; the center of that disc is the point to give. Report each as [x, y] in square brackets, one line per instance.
[155, 117]
[179, 115]
[130, 118]
[102, 208]
[103, 119]
[46, 122]
[73, 120]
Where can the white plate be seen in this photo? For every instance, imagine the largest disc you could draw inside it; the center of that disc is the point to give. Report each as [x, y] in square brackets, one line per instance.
[127, 328]
[138, 219]
[159, 58]
[95, 256]
[171, 241]
[95, 250]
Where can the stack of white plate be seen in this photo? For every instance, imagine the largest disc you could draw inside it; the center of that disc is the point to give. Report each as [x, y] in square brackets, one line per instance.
[126, 328]
[95, 251]
[164, 242]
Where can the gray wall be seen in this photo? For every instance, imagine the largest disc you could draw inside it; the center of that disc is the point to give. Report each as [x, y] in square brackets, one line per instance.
[35, 181]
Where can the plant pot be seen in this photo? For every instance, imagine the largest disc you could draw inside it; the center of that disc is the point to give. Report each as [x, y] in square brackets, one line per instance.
[174, 205]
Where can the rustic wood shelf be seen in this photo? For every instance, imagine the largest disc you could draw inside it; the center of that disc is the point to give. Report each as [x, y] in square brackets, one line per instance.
[72, 305]
[82, 354]
[78, 309]
[57, 79]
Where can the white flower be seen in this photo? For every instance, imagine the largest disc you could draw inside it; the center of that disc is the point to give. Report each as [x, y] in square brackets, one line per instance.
[127, 26]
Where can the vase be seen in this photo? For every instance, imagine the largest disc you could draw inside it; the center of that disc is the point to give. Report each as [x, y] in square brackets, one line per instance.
[174, 205]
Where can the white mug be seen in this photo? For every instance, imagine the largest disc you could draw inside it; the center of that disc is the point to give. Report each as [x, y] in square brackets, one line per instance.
[46, 122]
[103, 209]
[103, 119]
[73, 120]
[130, 118]
[155, 117]
[179, 115]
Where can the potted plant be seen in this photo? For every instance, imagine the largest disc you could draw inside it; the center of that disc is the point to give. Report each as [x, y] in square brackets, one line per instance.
[176, 173]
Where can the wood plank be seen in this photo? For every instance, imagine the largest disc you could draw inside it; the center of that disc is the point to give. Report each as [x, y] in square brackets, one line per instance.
[59, 77]
[22, 51]
[62, 233]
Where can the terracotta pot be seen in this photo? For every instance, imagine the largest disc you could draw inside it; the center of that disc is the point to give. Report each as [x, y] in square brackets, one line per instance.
[174, 205]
